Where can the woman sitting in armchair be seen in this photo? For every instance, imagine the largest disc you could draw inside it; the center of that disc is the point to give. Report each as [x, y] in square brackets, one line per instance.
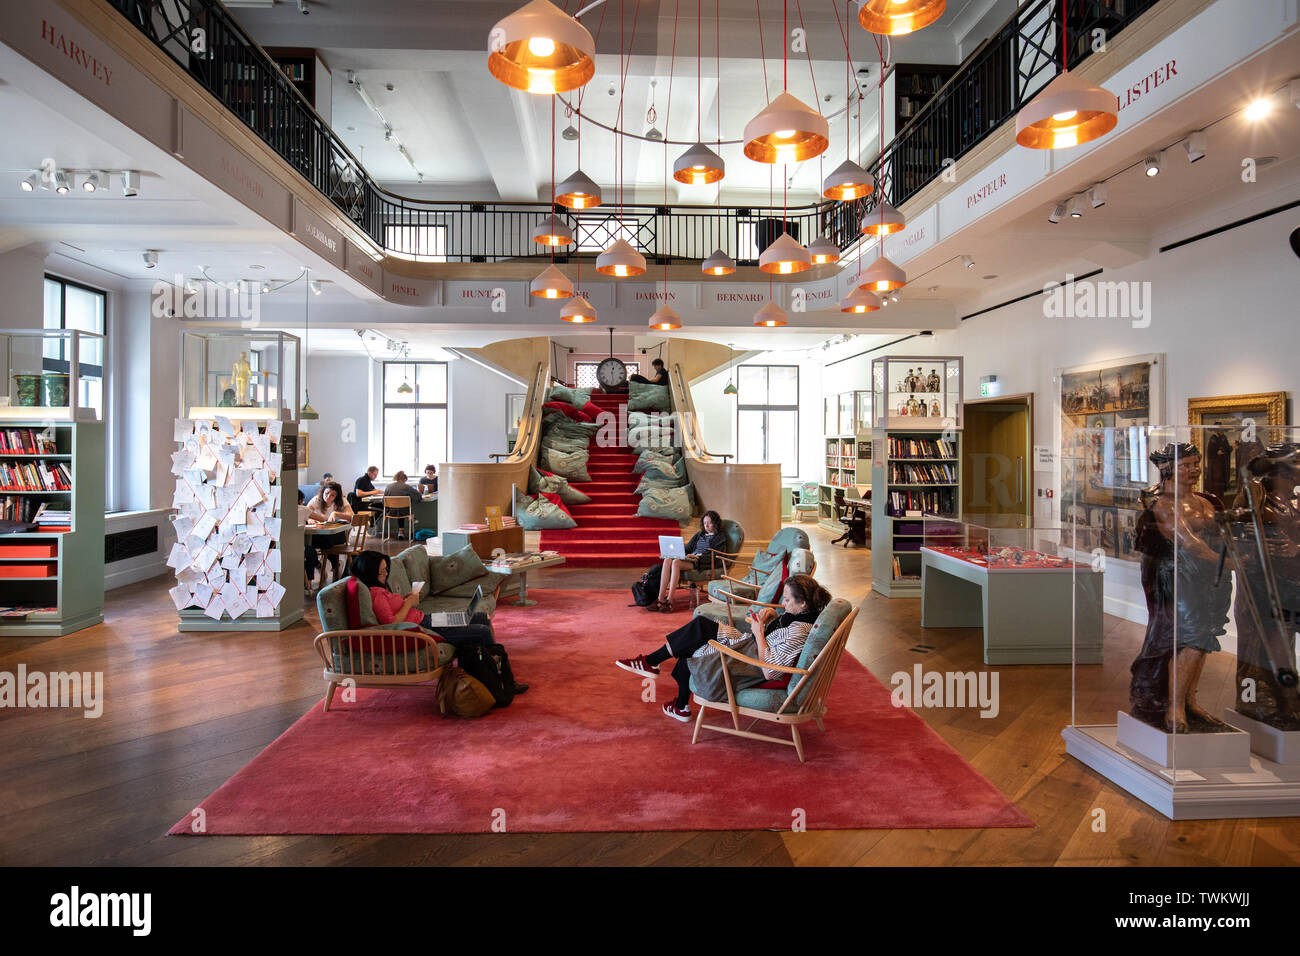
[780, 638]
[710, 537]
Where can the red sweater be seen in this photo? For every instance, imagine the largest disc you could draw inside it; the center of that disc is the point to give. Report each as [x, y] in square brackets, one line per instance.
[386, 605]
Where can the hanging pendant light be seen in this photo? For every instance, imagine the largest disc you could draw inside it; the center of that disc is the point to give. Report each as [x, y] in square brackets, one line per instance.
[848, 181]
[859, 301]
[698, 166]
[579, 191]
[620, 259]
[307, 413]
[884, 220]
[1068, 111]
[894, 18]
[578, 310]
[541, 49]
[784, 257]
[551, 284]
[823, 250]
[770, 316]
[553, 231]
[405, 387]
[718, 264]
[786, 131]
[665, 319]
[730, 388]
[882, 276]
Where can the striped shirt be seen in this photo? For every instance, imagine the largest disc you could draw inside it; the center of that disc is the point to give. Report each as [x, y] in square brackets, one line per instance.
[784, 645]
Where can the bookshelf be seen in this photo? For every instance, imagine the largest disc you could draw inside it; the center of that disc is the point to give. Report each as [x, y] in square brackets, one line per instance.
[915, 84]
[918, 472]
[57, 571]
[847, 452]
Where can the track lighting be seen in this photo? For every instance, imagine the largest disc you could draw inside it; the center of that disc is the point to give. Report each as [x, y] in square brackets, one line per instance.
[150, 257]
[1097, 195]
[1152, 166]
[968, 262]
[266, 287]
[61, 183]
[1259, 108]
[1076, 207]
[130, 182]
[93, 181]
[30, 183]
[1195, 145]
[1058, 213]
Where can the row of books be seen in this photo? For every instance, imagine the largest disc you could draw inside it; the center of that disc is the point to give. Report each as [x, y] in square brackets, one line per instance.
[900, 576]
[923, 473]
[48, 518]
[27, 441]
[839, 448]
[34, 476]
[922, 448]
[931, 502]
[14, 508]
[506, 522]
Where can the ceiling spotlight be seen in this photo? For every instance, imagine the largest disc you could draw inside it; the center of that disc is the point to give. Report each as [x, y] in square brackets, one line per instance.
[93, 181]
[1151, 166]
[968, 262]
[150, 257]
[266, 287]
[130, 182]
[1195, 145]
[1097, 195]
[61, 183]
[30, 183]
[1259, 108]
[1076, 207]
[934, 288]
[1058, 213]
[316, 286]
[893, 298]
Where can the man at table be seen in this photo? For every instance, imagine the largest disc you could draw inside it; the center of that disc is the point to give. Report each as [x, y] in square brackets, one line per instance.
[365, 485]
[400, 488]
[429, 483]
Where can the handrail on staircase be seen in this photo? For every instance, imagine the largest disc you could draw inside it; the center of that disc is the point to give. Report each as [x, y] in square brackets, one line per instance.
[690, 436]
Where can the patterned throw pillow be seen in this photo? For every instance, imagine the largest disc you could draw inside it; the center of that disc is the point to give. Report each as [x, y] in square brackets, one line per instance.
[647, 398]
[568, 411]
[570, 465]
[650, 481]
[560, 393]
[454, 569]
[673, 503]
[538, 514]
[539, 483]
[662, 470]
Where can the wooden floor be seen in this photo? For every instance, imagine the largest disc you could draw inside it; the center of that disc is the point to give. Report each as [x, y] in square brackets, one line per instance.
[183, 712]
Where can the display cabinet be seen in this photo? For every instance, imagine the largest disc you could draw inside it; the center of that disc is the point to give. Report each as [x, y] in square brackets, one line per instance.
[1196, 711]
[244, 374]
[52, 375]
[917, 392]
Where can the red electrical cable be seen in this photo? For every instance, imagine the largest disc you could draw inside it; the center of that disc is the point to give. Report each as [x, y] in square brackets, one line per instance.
[762, 53]
[798, 5]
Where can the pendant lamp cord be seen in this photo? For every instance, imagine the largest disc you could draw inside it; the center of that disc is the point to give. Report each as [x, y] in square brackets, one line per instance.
[807, 51]
[762, 53]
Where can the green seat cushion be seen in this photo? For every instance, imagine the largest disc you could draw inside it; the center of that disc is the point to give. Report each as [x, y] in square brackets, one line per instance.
[642, 397]
[554, 484]
[762, 698]
[716, 588]
[673, 503]
[411, 662]
[540, 514]
[570, 465]
[557, 424]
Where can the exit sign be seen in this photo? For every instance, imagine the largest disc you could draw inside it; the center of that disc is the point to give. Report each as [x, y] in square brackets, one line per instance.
[986, 388]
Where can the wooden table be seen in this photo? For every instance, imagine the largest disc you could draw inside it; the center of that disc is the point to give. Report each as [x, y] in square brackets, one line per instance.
[426, 514]
[509, 540]
[542, 561]
[326, 530]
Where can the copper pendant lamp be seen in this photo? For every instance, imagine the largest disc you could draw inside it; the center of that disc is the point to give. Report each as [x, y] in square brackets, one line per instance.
[898, 17]
[541, 49]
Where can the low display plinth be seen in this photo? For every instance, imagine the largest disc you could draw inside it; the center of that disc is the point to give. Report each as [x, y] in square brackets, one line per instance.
[1227, 750]
[1279, 746]
[1264, 789]
[196, 620]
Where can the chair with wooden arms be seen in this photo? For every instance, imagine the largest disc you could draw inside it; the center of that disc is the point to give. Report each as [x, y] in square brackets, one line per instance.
[747, 579]
[811, 677]
[393, 505]
[808, 501]
[714, 564]
[355, 544]
[732, 607]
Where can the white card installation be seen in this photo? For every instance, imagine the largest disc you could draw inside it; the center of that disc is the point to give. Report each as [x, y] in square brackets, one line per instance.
[182, 428]
[273, 431]
[214, 608]
[180, 596]
[275, 592]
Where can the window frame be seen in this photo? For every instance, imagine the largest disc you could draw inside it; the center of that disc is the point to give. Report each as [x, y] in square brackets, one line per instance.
[385, 405]
[766, 409]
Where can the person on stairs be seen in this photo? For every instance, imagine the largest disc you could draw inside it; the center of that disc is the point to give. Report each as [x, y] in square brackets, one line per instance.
[780, 639]
[710, 536]
[371, 569]
[661, 374]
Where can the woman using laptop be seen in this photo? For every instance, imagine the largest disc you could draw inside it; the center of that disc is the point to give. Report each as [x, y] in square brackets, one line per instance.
[779, 637]
[371, 569]
[709, 537]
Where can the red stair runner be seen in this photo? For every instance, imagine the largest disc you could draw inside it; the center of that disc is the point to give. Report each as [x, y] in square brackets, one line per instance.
[609, 534]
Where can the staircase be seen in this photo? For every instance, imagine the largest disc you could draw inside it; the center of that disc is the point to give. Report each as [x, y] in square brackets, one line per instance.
[609, 535]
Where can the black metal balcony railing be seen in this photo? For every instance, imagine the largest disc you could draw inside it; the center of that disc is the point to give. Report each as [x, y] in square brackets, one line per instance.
[984, 92]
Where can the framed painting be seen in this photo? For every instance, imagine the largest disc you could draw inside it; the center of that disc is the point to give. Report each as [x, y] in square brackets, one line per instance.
[304, 451]
[1218, 425]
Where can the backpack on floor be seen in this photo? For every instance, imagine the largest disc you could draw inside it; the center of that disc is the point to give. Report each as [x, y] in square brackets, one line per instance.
[462, 695]
[646, 591]
[479, 663]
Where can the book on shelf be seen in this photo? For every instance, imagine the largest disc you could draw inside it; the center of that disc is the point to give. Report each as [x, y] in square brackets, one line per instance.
[922, 473]
[26, 441]
[933, 502]
[921, 448]
[34, 476]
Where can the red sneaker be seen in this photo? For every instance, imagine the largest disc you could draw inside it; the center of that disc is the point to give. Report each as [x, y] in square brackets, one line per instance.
[637, 665]
[670, 710]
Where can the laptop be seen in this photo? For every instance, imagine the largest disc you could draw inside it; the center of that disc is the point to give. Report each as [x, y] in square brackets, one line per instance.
[458, 618]
[672, 546]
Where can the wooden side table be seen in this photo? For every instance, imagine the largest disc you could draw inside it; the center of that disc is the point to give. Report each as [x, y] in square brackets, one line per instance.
[509, 540]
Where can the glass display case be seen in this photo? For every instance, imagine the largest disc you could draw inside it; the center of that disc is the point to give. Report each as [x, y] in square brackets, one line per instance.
[1008, 545]
[1195, 709]
[240, 373]
[53, 374]
[917, 392]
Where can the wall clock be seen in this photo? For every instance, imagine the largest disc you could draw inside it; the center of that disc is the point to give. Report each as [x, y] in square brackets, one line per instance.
[611, 373]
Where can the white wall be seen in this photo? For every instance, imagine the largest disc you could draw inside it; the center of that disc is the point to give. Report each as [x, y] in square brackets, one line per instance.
[1223, 312]
[340, 389]
[477, 410]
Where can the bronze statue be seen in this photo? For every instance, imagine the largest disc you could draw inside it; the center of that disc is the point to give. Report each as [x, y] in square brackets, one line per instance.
[1183, 626]
[1263, 540]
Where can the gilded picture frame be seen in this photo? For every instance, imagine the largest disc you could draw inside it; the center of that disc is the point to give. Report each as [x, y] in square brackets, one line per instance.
[1219, 448]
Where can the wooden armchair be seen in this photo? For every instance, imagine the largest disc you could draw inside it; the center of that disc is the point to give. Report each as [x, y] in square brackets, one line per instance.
[753, 579]
[380, 658]
[355, 544]
[793, 705]
[732, 599]
[719, 562]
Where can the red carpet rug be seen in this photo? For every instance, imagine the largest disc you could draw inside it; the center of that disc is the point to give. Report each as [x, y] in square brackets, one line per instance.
[582, 752]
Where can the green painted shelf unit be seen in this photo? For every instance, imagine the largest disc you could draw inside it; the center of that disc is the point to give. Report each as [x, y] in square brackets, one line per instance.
[74, 592]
